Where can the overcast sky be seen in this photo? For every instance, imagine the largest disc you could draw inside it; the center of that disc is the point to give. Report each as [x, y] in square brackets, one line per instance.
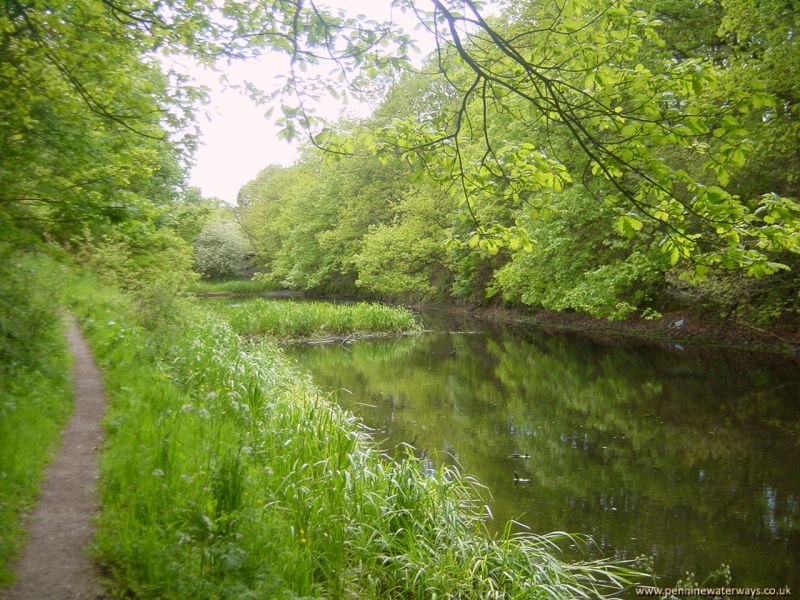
[237, 141]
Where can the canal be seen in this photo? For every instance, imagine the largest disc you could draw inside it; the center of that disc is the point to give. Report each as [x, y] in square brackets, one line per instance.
[688, 456]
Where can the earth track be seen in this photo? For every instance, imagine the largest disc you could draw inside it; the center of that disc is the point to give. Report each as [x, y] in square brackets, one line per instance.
[56, 563]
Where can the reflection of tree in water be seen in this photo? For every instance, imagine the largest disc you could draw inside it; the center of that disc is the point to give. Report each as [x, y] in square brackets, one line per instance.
[688, 450]
[691, 458]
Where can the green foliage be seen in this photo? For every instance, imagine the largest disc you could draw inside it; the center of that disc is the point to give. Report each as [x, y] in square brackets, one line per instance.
[575, 263]
[34, 379]
[85, 121]
[760, 302]
[306, 319]
[154, 264]
[219, 250]
[282, 211]
[651, 139]
[657, 137]
[27, 306]
[228, 475]
[761, 51]
[407, 256]
[309, 221]
[189, 214]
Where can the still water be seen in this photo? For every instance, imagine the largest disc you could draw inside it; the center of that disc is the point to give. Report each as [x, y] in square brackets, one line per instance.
[691, 456]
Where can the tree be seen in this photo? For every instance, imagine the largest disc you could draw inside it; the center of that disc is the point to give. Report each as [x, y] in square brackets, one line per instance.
[87, 118]
[406, 257]
[546, 96]
[592, 69]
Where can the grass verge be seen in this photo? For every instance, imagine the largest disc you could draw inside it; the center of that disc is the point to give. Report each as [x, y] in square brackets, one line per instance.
[227, 475]
[288, 319]
[35, 390]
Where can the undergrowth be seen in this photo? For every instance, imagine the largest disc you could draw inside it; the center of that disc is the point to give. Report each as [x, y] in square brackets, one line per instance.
[227, 475]
[35, 392]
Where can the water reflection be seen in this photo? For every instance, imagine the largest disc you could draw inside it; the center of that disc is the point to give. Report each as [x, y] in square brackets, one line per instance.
[693, 458]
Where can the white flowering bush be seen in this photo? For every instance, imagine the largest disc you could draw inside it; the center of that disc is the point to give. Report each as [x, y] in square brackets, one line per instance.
[219, 250]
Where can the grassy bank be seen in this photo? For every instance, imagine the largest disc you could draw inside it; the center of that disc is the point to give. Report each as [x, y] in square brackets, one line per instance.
[287, 319]
[227, 475]
[35, 391]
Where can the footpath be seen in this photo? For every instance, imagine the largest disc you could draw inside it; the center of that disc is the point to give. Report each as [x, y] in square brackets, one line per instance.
[55, 563]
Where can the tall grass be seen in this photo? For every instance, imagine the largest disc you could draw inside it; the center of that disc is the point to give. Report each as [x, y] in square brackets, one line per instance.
[35, 391]
[306, 319]
[232, 286]
[227, 475]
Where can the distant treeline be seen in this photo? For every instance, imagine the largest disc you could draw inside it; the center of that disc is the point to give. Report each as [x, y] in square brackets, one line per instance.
[520, 209]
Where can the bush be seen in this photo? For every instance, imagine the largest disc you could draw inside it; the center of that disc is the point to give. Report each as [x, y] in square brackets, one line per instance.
[154, 264]
[219, 250]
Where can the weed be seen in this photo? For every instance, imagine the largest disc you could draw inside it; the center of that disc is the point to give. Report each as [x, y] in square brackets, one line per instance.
[232, 286]
[288, 319]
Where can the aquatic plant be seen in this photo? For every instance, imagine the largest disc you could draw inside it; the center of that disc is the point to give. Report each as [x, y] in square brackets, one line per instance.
[232, 286]
[310, 319]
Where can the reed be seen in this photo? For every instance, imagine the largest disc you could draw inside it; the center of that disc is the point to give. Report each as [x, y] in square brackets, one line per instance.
[232, 286]
[289, 319]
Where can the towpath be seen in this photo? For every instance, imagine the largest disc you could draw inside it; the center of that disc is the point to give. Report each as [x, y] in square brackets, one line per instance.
[55, 563]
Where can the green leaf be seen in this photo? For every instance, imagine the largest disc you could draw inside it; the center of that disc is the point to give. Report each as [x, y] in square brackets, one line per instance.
[674, 256]
[628, 225]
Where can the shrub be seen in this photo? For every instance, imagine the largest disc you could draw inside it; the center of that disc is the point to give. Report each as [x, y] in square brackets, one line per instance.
[219, 250]
[154, 264]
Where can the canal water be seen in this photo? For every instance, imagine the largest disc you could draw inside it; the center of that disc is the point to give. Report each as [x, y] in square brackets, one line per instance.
[690, 456]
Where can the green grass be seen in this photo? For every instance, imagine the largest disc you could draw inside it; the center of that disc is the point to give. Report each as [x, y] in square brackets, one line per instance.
[35, 391]
[227, 475]
[288, 319]
[232, 286]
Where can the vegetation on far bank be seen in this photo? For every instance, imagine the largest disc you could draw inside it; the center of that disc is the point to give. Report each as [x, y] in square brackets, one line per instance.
[502, 200]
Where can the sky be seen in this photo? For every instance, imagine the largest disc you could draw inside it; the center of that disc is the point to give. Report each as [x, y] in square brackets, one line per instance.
[237, 140]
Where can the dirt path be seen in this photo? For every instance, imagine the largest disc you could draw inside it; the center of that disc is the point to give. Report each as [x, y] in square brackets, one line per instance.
[55, 564]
